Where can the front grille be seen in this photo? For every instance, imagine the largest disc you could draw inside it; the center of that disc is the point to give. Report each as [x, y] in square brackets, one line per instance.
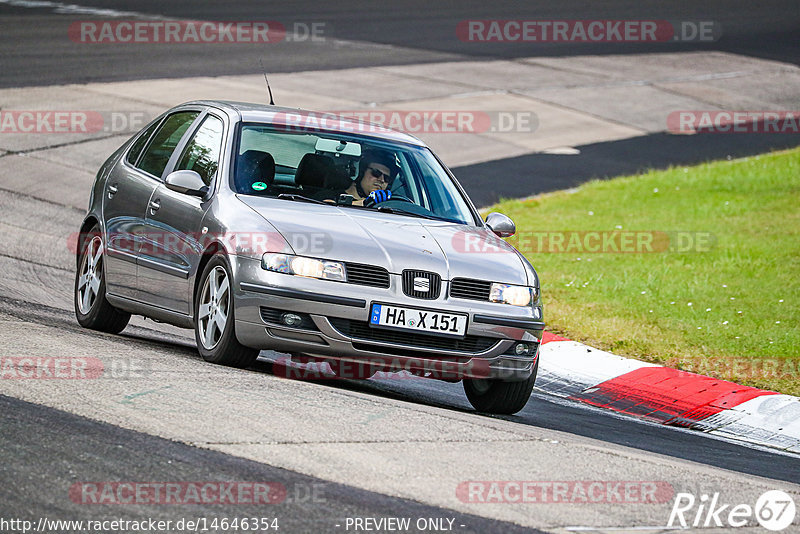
[273, 316]
[362, 331]
[367, 275]
[433, 282]
[467, 288]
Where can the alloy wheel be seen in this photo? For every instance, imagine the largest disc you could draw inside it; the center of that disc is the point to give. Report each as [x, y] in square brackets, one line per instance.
[90, 277]
[214, 307]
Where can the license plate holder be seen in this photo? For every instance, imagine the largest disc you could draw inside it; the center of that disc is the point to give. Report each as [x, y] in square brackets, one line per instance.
[419, 320]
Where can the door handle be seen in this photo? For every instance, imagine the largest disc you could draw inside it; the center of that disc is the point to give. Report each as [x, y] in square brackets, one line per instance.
[112, 190]
[154, 205]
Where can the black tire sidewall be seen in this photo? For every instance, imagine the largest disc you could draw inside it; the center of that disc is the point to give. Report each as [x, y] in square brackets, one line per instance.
[503, 398]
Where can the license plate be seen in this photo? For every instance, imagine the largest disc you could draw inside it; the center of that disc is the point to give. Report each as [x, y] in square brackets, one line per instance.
[434, 322]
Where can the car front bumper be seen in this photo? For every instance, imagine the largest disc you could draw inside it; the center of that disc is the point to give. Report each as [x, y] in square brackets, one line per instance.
[335, 325]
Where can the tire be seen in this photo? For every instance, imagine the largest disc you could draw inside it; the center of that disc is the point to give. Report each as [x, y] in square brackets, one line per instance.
[498, 397]
[214, 328]
[92, 309]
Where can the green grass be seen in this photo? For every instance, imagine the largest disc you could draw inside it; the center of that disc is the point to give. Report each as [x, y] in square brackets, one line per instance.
[729, 310]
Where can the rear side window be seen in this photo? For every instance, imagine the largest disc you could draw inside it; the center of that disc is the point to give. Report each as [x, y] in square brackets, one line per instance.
[156, 156]
[138, 145]
[202, 152]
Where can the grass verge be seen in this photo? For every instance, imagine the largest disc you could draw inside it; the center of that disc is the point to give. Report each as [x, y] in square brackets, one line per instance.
[698, 268]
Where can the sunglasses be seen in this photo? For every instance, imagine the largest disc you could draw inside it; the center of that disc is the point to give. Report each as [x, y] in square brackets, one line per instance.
[380, 174]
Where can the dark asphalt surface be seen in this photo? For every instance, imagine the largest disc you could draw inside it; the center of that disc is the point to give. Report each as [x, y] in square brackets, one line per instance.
[42, 451]
[37, 49]
[543, 411]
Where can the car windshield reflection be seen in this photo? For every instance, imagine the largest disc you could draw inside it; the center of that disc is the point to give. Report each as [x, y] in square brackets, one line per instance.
[346, 170]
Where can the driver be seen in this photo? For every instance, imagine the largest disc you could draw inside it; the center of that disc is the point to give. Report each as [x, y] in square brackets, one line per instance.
[377, 170]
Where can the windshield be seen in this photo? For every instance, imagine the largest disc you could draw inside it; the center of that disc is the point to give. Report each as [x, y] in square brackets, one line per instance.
[324, 166]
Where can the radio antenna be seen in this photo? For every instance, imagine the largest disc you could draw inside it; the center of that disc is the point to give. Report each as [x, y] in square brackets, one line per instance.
[271, 101]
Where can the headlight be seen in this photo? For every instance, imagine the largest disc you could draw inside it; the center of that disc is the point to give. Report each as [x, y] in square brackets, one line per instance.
[514, 295]
[302, 266]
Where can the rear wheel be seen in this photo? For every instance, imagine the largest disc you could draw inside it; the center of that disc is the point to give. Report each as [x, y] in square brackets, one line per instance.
[214, 319]
[498, 397]
[92, 309]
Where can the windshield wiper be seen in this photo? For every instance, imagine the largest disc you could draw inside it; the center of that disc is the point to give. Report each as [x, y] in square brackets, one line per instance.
[400, 211]
[301, 198]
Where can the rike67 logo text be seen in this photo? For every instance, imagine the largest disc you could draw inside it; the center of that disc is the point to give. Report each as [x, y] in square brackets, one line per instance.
[774, 510]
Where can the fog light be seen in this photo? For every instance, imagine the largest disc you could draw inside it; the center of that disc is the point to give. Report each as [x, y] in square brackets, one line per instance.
[291, 319]
[522, 349]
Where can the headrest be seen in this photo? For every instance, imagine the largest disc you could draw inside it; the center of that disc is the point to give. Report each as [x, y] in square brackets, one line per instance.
[313, 170]
[338, 180]
[254, 167]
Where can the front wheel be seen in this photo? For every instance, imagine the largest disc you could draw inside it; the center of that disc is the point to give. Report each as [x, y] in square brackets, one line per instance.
[214, 321]
[498, 397]
[92, 309]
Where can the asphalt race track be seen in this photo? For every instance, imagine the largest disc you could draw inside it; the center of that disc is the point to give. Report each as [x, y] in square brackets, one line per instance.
[341, 449]
[408, 31]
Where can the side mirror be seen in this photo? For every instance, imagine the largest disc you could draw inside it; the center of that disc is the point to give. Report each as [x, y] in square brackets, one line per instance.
[186, 182]
[501, 225]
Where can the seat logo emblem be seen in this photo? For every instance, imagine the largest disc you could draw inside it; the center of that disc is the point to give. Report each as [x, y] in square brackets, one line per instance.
[421, 284]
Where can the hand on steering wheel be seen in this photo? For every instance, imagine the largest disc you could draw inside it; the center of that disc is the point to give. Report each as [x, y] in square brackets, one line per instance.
[378, 196]
[382, 195]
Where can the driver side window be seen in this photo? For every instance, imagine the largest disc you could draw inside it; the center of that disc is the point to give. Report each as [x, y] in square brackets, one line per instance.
[202, 153]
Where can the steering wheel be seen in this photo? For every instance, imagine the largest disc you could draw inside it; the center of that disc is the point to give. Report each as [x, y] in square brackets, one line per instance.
[368, 202]
[401, 198]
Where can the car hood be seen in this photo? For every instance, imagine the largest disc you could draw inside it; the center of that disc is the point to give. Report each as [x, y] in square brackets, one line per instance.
[392, 241]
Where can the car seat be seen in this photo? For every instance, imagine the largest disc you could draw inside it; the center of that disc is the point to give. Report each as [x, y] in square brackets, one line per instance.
[254, 168]
[313, 171]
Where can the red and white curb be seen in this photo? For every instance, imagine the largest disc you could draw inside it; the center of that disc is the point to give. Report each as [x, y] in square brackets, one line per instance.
[668, 396]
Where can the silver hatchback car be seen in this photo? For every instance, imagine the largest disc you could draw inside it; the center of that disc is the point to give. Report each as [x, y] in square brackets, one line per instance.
[330, 239]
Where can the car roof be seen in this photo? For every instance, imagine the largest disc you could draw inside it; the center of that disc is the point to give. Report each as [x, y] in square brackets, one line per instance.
[313, 121]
